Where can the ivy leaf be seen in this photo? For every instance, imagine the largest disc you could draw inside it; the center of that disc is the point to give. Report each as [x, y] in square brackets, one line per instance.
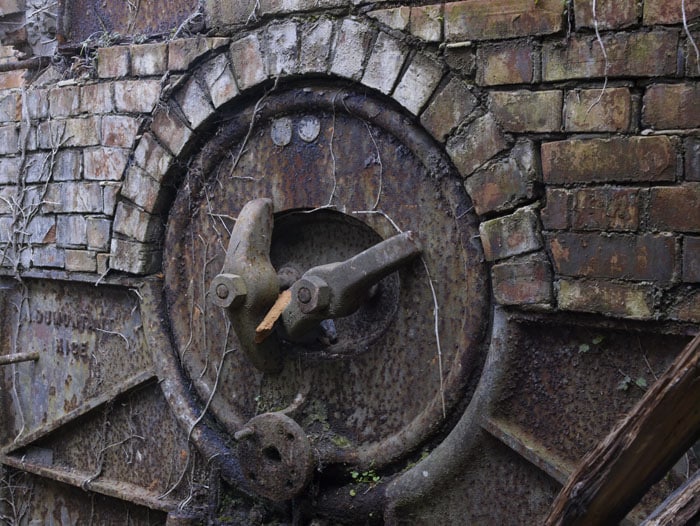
[641, 382]
[584, 348]
[598, 339]
[624, 384]
[353, 492]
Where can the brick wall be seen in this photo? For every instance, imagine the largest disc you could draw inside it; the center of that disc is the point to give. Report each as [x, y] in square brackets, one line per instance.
[577, 134]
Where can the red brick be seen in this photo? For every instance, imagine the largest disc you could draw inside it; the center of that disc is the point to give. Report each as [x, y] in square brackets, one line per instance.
[448, 109]
[426, 22]
[505, 64]
[687, 308]
[65, 101]
[523, 281]
[138, 96]
[644, 257]
[668, 11]
[11, 107]
[606, 209]
[691, 259]
[596, 110]
[610, 14]
[668, 106]
[12, 79]
[675, 208]
[499, 19]
[527, 111]
[629, 55]
[511, 235]
[625, 300]
[477, 144]
[112, 62]
[604, 160]
[555, 215]
[97, 98]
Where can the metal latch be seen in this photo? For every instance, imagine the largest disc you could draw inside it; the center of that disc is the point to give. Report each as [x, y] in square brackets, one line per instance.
[248, 286]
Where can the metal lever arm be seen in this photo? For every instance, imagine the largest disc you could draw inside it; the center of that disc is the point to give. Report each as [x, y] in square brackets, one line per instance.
[338, 289]
[248, 285]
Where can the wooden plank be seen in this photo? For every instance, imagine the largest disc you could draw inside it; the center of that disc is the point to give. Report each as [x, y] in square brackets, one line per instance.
[643, 446]
[680, 508]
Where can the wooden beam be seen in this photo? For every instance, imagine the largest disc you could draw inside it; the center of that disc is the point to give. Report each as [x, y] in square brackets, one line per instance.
[639, 451]
[680, 508]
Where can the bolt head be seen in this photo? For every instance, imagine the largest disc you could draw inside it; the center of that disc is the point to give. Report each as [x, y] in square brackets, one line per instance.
[304, 295]
[228, 290]
[313, 294]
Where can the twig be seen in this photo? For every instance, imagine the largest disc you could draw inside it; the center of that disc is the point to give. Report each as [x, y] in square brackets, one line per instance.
[605, 56]
[335, 179]
[690, 37]
[381, 167]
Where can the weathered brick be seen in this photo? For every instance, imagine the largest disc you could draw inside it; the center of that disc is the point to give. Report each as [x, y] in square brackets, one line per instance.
[102, 263]
[595, 110]
[8, 198]
[426, 22]
[37, 167]
[225, 12]
[642, 257]
[152, 157]
[104, 164]
[98, 233]
[315, 46]
[452, 104]
[418, 83]
[384, 65]
[136, 96]
[71, 231]
[220, 81]
[610, 14]
[74, 132]
[64, 101]
[292, 6]
[523, 281]
[136, 223]
[9, 140]
[97, 98]
[5, 229]
[119, 130]
[475, 145]
[626, 300]
[142, 190]
[687, 308]
[13, 79]
[692, 159]
[80, 260]
[9, 170]
[510, 63]
[195, 103]
[607, 160]
[110, 196]
[610, 209]
[182, 52]
[11, 107]
[112, 62]
[692, 59]
[461, 58]
[511, 235]
[37, 103]
[73, 197]
[68, 165]
[691, 259]
[134, 257]
[171, 131]
[500, 19]
[675, 208]
[527, 111]
[48, 257]
[672, 106]
[395, 17]
[629, 55]
[149, 59]
[247, 62]
[351, 49]
[281, 49]
[668, 11]
[40, 230]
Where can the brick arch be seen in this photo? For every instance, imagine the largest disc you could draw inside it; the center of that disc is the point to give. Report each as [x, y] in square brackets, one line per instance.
[443, 104]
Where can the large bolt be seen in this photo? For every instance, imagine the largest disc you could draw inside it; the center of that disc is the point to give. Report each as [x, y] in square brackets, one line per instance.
[312, 293]
[228, 290]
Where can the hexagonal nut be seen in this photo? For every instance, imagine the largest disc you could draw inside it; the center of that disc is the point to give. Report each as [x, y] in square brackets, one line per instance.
[228, 290]
[312, 294]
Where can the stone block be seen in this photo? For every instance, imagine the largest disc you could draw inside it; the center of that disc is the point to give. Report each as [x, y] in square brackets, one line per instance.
[98, 233]
[281, 49]
[687, 308]
[625, 300]
[692, 159]
[37, 167]
[41, 230]
[675, 208]
[110, 196]
[80, 261]
[113, 62]
[511, 235]
[384, 65]
[8, 198]
[426, 22]
[48, 257]
[418, 83]
[97, 98]
[9, 170]
[316, 38]
[396, 17]
[523, 281]
[225, 12]
[37, 103]
[351, 49]
[509, 63]
[479, 142]
[195, 103]
[104, 164]
[617, 256]
[501, 19]
[182, 52]
[6, 224]
[610, 14]
[137, 224]
[171, 131]
[74, 132]
[247, 61]
[13, 79]
[448, 109]
[527, 111]
[594, 110]
[68, 165]
[9, 140]
[672, 106]
[10, 107]
[220, 81]
[629, 55]
[152, 157]
[691, 259]
[71, 231]
[555, 215]
[149, 59]
[64, 101]
[73, 197]
[633, 159]
[668, 11]
[136, 96]
[608, 209]
[142, 190]
[102, 263]
[134, 257]
[119, 130]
